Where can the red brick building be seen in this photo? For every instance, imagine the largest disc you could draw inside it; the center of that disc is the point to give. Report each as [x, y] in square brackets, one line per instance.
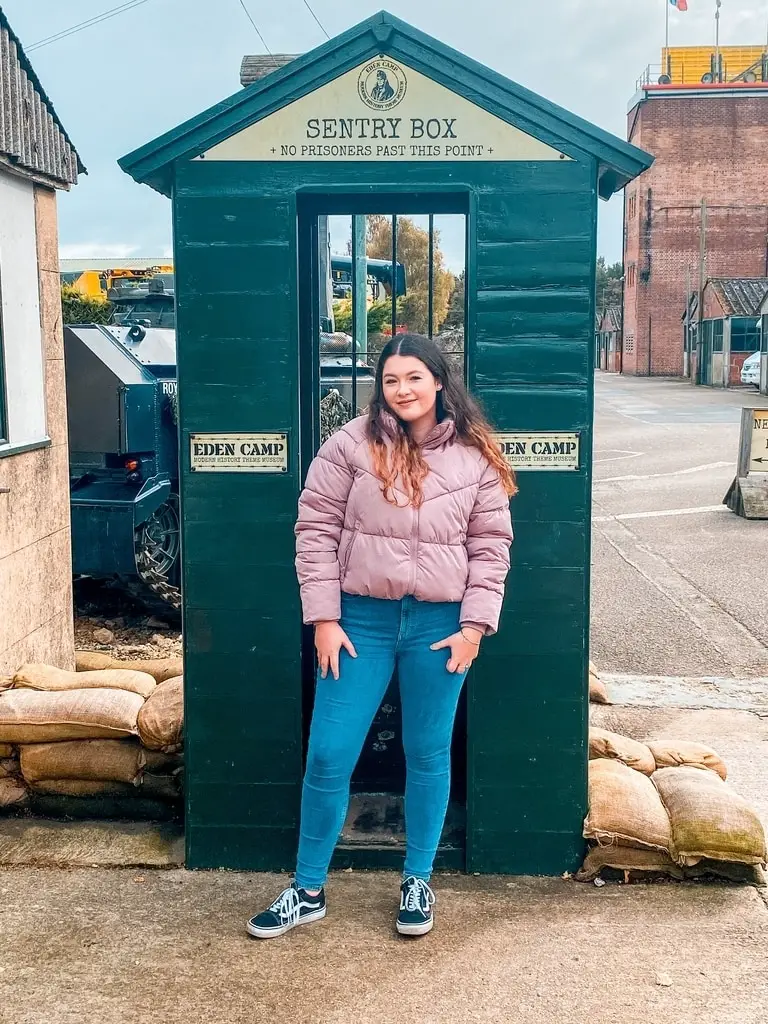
[711, 143]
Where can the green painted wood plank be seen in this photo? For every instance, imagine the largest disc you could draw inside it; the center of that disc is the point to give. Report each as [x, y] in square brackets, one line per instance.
[240, 848]
[244, 673]
[537, 408]
[533, 360]
[230, 540]
[538, 678]
[250, 360]
[225, 631]
[525, 852]
[219, 586]
[226, 803]
[232, 220]
[255, 406]
[535, 809]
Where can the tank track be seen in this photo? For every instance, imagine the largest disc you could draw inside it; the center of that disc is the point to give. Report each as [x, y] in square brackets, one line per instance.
[155, 582]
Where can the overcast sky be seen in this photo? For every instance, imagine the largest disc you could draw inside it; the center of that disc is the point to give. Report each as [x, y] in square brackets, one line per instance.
[122, 83]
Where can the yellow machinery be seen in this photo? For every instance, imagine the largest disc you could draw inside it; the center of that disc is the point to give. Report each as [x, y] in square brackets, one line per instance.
[691, 65]
[96, 279]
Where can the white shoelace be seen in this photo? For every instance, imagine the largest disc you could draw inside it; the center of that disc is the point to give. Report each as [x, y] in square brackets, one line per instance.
[418, 896]
[287, 906]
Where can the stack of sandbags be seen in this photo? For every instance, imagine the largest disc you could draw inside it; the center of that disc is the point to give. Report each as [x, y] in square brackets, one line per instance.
[683, 821]
[159, 668]
[79, 739]
[597, 691]
[13, 791]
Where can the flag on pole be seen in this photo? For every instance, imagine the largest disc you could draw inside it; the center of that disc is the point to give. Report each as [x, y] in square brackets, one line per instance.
[681, 5]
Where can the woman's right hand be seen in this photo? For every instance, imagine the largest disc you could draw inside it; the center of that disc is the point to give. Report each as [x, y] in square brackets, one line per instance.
[329, 639]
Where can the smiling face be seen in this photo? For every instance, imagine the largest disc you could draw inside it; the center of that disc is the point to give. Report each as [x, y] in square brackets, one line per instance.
[410, 390]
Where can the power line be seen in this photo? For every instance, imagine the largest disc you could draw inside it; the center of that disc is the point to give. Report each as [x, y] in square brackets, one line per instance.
[256, 27]
[322, 26]
[95, 20]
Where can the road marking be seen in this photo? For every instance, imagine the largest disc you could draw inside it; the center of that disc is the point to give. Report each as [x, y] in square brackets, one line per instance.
[624, 454]
[742, 651]
[660, 512]
[654, 476]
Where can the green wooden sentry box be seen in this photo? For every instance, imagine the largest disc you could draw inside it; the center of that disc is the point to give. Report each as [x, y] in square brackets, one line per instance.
[530, 285]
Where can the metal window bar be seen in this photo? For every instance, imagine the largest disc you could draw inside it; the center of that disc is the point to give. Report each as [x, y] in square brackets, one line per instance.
[355, 315]
[394, 274]
[431, 279]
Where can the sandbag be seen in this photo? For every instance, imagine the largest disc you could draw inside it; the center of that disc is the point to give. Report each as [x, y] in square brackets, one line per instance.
[13, 792]
[708, 818]
[7, 750]
[37, 716]
[597, 691]
[676, 753]
[154, 787]
[161, 719]
[624, 808]
[603, 743]
[97, 760]
[82, 787]
[9, 767]
[161, 787]
[159, 668]
[46, 677]
[130, 808]
[626, 858]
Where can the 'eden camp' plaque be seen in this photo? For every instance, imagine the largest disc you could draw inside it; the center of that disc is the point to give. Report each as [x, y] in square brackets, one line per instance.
[545, 451]
[238, 453]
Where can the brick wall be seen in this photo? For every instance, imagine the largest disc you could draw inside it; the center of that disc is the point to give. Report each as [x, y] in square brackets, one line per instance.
[706, 146]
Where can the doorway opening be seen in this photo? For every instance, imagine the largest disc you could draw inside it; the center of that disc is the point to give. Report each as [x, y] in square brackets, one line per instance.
[370, 267]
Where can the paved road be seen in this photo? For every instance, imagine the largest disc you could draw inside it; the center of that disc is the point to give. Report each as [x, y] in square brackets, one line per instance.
[679, 584]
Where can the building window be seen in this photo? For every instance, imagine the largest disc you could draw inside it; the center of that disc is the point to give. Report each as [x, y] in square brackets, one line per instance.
[632, 206]
[22, 395]
[745, 334]
[631, 275]
[629, 343]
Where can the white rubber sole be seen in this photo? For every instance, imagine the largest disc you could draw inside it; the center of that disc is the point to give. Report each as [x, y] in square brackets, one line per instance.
[273, 933]
[416, 929]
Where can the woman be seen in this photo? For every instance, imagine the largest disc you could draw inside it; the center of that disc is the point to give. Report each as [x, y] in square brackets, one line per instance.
[403, 540]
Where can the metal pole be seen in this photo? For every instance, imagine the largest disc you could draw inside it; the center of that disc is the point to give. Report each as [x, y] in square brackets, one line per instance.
[431, 287]
[394, 274]
[667, 4]
[360, 285]
[702, 282]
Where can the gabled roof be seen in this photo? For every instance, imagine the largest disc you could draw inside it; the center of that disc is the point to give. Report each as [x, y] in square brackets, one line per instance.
[258, 65]
[611, 317]
[740, 296]
[31, 136]
[618, 161]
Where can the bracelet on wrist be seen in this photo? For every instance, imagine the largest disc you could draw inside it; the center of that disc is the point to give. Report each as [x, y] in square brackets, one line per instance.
[469, 640]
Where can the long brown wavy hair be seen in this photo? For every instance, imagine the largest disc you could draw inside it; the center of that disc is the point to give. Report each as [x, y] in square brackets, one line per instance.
[453, 402]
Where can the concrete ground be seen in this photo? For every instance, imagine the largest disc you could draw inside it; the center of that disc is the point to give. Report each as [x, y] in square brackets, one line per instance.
[678, 581]
[680, 628]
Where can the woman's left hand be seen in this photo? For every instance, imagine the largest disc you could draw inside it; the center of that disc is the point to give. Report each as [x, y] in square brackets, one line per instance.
[464, 647]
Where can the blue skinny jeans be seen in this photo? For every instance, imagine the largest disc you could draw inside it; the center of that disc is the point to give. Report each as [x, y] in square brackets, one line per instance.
[385, 634]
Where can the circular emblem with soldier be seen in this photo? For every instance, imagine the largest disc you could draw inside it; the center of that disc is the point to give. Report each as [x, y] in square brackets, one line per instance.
[382, 84]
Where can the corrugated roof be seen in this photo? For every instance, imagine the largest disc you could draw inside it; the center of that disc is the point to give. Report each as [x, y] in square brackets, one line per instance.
[740, 296]
[31, 135]
[75, 266]
[258, 65]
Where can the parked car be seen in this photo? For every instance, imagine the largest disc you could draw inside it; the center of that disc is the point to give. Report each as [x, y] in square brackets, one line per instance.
[750, 371]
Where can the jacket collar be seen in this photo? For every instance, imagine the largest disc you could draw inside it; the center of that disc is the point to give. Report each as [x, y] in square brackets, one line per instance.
[442, 433]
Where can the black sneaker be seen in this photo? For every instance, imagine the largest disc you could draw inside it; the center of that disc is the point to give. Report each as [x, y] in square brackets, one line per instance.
[293, 906]
[416, 900]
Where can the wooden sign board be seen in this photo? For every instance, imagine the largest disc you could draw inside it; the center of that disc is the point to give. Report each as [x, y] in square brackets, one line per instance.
[238, 453]
[540, 451]
[748, 494]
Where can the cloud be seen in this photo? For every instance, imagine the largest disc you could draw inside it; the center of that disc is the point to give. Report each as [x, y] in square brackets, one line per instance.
[97, 250]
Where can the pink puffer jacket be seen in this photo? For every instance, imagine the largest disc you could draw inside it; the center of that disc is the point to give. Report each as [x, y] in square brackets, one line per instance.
[455, 547]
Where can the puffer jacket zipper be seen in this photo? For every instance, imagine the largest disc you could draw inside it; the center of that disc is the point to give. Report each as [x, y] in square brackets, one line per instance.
[414, 549]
